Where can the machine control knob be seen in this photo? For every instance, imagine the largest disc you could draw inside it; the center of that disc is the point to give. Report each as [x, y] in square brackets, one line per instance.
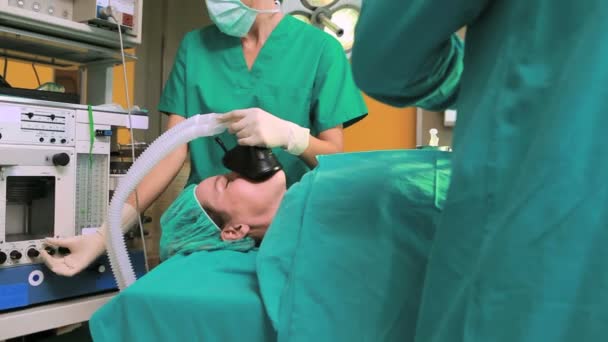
[15, 255]
[2, 258]
[97, 268]
[33, 253]
[101, 268]
[61, 159]
[63, 251]
[50, 250]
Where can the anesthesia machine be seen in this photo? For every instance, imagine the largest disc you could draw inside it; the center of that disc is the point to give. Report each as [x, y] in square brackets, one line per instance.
[54, 182]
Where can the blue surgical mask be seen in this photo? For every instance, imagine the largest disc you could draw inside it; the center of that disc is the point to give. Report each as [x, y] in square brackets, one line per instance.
[233, 17]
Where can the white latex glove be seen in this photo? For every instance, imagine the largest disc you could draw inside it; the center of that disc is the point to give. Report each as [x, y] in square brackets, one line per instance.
[84, 249]
[256, 127]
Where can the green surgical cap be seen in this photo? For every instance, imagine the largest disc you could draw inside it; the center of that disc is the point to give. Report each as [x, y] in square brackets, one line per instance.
[187, 228]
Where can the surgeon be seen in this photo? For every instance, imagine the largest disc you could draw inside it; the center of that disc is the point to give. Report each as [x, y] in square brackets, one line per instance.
[282, 84]
[521, 252]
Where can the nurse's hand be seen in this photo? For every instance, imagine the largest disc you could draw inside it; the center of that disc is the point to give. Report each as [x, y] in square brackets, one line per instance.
[84, 250]
[256, 127]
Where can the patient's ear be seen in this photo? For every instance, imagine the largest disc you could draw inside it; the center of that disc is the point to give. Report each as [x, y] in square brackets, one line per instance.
[233, 232]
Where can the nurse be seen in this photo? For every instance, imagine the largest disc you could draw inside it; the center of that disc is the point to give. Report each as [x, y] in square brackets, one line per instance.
[520, 253]
[282, 84]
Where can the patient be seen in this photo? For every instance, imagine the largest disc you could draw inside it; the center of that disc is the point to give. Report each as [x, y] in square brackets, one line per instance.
[221, 212]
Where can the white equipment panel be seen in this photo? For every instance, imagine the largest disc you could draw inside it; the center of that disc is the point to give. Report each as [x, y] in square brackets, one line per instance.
[54, 172]
[91, 195]
[80, 20]
[36, 125]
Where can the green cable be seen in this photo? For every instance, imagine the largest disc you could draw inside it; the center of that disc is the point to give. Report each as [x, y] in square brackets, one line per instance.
[90, 171]
[92, 136]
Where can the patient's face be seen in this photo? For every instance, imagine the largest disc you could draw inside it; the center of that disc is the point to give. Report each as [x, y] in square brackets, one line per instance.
[232, 200]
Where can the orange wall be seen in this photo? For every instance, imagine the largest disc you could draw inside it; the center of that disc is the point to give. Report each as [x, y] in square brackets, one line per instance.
[119, 96]
[384, 128]
[21, 75]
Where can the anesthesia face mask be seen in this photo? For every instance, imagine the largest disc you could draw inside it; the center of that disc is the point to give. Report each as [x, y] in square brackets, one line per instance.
[254, 163]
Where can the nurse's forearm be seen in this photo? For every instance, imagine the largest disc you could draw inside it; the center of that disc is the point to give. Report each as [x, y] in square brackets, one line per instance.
[328, 142]
[159, 178]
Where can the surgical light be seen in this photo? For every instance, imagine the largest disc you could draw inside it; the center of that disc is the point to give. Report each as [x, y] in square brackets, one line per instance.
[336, 17]
[346, 18]
[318, 3]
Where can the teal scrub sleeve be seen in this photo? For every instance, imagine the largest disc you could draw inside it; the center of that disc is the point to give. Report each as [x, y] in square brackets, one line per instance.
[336, 100]
[174, 97]
[406, 52]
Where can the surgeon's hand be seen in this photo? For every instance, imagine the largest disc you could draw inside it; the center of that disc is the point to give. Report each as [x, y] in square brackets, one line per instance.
[256, 127]
[84, 249]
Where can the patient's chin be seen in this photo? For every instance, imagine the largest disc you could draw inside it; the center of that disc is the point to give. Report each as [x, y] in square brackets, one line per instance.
[258, 233]
[281, 177]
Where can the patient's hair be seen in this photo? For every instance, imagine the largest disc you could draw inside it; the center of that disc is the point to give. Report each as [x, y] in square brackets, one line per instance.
[215, 217]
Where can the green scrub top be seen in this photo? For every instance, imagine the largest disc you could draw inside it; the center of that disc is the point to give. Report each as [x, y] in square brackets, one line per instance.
[301, 75]
[521, 251]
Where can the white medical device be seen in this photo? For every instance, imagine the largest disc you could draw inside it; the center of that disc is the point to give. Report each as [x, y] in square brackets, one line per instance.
[82, 20]
[126, 13]
[54, 173]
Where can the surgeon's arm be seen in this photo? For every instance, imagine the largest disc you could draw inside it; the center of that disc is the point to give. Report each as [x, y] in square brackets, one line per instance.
[406, 52]
[327, 142]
